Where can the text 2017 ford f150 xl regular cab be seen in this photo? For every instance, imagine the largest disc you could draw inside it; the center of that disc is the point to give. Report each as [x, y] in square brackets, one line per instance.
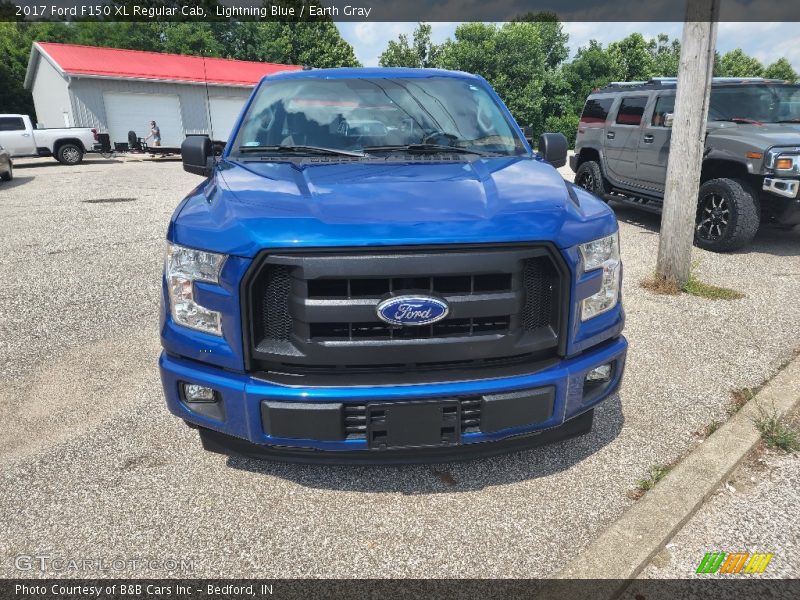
[379, 268]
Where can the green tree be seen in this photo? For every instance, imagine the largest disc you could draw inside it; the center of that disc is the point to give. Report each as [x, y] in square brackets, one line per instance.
[632, 58]
[420, 53]
[313, 43]
[738, 64]
[666, 56]
[553, 36]
[591, 68]
[781, 69]
[515, 59]
[191, 38]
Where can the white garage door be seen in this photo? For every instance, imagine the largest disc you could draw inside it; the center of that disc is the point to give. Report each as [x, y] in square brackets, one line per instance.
[133, 112]
[224, 112]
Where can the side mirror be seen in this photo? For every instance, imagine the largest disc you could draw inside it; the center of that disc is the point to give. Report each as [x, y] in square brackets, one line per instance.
[668, 119]
[198, 155]
[527, 132]
[553, 148]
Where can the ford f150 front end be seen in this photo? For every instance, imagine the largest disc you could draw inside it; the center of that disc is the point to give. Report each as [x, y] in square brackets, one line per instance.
[378, 268]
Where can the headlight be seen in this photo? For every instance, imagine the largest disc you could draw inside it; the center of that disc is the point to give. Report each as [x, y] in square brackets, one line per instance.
[182, 268]
[784, 163]
[602, 254]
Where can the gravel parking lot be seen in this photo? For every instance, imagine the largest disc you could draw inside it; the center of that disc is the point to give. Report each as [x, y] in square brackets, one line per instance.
[93, 465]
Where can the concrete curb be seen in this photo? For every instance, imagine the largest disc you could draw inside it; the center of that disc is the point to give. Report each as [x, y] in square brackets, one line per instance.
[629, 544]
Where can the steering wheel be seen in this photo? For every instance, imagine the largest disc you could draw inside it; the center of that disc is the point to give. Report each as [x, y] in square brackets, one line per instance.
[440, 138]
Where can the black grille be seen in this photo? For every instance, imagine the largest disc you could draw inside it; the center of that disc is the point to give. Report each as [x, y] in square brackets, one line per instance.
[383, 331]
[537, 281]
[355, 418]
[276, 322]
[316, 312]
[375, 287]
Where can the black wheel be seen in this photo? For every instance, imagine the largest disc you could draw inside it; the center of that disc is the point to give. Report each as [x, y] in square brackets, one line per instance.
[8, 175]
[590, 177]
[727, 215]
[69, 154]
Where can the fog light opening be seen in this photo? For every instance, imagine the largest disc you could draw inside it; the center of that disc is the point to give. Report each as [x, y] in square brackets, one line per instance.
[193, 392]
[601, 374]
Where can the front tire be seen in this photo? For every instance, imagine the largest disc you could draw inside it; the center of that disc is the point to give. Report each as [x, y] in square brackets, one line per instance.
[589, 176]
[728, 215]
[8, 175]
[69, 154]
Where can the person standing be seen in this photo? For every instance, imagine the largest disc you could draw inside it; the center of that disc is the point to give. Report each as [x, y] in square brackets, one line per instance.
[155, 133]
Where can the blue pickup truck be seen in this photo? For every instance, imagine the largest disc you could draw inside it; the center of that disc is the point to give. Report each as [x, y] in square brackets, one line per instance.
[379, 268]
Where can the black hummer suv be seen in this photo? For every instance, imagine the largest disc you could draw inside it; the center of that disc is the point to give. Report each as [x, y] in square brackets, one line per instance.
[751, 162]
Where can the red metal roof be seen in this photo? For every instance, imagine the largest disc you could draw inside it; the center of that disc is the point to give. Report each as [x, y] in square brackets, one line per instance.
[135, 64]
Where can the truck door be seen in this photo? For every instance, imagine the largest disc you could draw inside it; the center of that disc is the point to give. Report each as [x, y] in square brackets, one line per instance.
[15, 137]
[622, 138]
[654, 143]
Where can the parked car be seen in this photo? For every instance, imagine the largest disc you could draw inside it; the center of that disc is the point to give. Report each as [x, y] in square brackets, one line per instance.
[751, 163]
[6, 166]
[379, 268]
[67, 145]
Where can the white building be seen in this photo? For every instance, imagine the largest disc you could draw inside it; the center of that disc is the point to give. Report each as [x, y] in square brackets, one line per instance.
[118, 91]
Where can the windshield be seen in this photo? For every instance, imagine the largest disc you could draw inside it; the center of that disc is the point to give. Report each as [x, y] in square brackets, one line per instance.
[763, 103]
[374, 116]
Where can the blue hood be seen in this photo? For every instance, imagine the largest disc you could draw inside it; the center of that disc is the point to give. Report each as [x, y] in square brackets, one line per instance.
[248, 206]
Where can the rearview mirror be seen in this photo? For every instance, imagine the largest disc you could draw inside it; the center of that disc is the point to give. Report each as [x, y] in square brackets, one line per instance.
[198, 155]
[553, 148]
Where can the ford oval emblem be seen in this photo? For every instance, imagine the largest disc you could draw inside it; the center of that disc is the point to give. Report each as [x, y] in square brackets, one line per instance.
[412, 310]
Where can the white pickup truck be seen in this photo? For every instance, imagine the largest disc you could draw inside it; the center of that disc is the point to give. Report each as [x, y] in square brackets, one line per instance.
[68, 146]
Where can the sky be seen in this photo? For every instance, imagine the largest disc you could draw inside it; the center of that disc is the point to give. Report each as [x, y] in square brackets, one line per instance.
[766, 41]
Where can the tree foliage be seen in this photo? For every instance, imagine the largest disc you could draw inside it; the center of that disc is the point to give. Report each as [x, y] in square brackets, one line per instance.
[520, 59]
[738, 64]
[421, 52]
[781, 69]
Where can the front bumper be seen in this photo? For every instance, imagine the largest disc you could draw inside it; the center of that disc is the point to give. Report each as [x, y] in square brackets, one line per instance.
[238, 425]
[787, 188]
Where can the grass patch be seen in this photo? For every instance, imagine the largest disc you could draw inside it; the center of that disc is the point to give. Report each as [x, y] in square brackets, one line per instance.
[739, 398]
[695, 287]
[712, 427]
[656, 474]
[661, 285]
[776, 431]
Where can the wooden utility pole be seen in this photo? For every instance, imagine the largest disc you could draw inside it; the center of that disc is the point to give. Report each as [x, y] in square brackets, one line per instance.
[688, 140]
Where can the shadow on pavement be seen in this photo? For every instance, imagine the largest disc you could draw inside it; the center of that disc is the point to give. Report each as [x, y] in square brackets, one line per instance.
[770, 239]
[647, 221]
[450, 477]
[51, 162]
[16, 182]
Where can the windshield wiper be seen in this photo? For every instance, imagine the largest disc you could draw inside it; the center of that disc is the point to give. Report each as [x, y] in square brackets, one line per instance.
[300, 149]
[795, 120]
[426, 148]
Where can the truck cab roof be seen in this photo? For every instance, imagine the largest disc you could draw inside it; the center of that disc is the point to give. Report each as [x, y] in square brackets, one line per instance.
[369, 72]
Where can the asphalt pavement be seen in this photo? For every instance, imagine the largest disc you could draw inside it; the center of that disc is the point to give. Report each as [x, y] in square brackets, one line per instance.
[93, 465]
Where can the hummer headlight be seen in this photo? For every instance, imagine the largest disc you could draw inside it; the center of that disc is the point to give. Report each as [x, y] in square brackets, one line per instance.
[184, 266]
[602, 254]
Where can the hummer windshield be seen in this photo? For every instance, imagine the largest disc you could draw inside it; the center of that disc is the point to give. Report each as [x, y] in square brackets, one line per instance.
[771, 103]
[374, 117]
